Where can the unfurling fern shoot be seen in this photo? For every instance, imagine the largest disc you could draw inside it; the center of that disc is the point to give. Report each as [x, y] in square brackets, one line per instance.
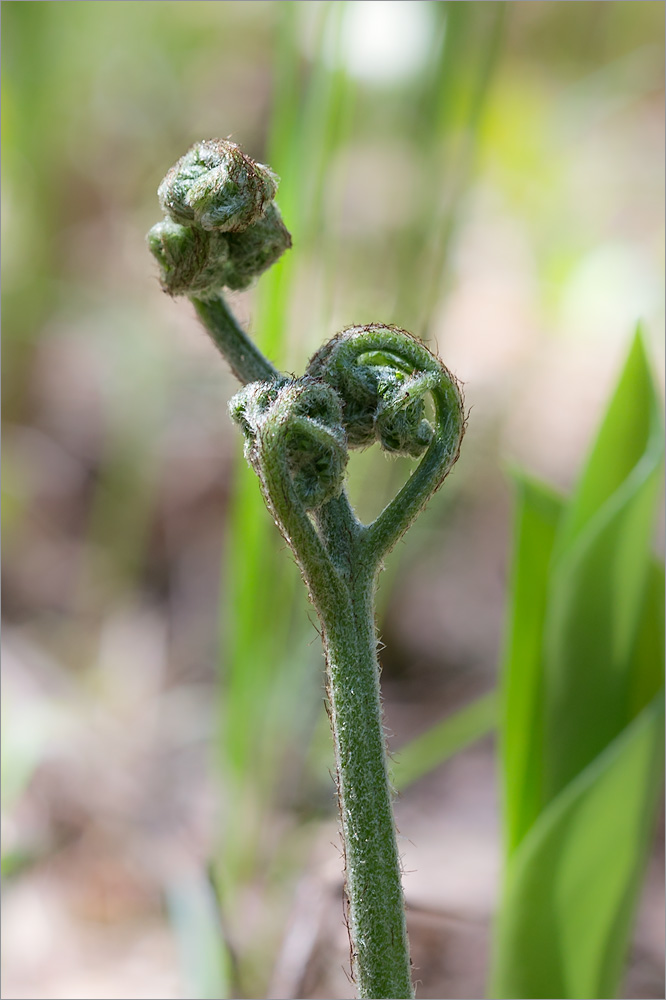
[368, 384]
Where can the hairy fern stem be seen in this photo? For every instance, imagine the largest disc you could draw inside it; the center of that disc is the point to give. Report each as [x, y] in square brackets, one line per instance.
[378, 934]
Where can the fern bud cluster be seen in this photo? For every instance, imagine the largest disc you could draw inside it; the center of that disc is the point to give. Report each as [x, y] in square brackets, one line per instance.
[222, 227]
[367, 384]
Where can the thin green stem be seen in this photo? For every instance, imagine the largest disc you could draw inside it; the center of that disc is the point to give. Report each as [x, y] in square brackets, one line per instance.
[400, 513]
[380, 951]
[244, 357]
[341, 580]
[340, 530]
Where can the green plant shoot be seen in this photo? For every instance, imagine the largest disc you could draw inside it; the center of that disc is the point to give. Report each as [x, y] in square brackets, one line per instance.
[582, 714]
[368, 384]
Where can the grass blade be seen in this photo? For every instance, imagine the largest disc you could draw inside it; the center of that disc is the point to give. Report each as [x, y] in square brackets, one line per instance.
[443, 740]
[583, 712]
[538, 514]
[573, 883]
[600, 576]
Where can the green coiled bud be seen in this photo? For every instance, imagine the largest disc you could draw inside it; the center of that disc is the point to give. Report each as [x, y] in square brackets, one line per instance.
[254, 250]
[191, 260]
[296, 426]
[382, 387]
[222, 227]
[215, 185]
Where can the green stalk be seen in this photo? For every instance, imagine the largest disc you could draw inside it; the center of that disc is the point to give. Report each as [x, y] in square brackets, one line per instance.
[341, 580]
[376, 908]
[243, 356]
[312, 420]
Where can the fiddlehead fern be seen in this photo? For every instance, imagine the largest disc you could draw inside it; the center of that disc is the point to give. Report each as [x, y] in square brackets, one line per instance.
[221, 227]
[368, 384]
[216, 186]
[297, 424]
[383, 401]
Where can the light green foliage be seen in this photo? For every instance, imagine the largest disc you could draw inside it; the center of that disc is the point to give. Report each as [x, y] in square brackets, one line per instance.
[582, 718]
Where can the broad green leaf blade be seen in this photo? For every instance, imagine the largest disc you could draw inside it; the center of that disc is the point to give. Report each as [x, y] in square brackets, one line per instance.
[648, 669]
[444, 740]
[538, 512]
[600, 580]
[571, 887]
[626, 443]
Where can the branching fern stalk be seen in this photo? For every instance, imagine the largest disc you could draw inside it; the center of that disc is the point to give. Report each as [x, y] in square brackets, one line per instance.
[367, 384]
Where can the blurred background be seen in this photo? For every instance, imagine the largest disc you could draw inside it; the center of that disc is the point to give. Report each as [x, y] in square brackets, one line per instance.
[486, 175]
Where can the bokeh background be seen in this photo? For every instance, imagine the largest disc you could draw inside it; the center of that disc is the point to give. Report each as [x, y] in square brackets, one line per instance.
[487, 175]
